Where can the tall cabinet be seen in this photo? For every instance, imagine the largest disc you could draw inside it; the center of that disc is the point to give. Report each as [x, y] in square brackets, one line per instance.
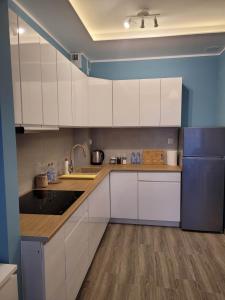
[79, 97]
[30, 72]
[15, 66]
[49, 83]
[64, 77]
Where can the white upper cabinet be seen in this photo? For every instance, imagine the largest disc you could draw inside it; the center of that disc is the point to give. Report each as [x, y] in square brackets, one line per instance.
[100, 102]
[13, 29]
[125, 103]
[64, 90]
[49, 83]
[30, 68]
[149, 102]
[79, 97]
[171, 101]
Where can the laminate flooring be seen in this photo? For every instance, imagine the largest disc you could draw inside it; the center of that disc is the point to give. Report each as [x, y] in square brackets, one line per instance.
[145, 262]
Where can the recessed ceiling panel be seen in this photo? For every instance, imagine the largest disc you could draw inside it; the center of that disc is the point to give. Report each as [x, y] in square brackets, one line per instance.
[104, 19]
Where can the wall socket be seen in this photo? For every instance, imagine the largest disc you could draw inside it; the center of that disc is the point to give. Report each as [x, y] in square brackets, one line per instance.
[170, 141]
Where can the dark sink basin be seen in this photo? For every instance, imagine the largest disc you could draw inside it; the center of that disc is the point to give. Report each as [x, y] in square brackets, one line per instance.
[47, 202]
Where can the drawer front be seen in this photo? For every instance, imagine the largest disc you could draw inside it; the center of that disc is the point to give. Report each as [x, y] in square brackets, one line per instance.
[75, 218]
[159, 176]
[159, 201]
[74, 282]
[54, 258]
[9, 290]
[75, 245]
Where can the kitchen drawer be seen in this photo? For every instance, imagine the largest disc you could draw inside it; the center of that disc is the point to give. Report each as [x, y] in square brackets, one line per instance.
[54, 267]
[159, 176]
[75, 245]
[75, 218]
[75, 280]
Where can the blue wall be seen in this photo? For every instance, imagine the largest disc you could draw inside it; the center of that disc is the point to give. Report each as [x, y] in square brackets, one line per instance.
[199, 82]
[9, 204]
[221, 90]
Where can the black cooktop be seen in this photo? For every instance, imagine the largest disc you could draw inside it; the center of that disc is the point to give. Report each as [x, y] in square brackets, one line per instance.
[46, 202]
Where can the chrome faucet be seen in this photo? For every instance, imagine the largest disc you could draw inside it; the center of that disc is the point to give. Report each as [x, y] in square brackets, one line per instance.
[84, 149]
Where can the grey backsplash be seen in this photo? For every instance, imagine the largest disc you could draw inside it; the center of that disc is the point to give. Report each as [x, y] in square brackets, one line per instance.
[122, 141]
[36, 150]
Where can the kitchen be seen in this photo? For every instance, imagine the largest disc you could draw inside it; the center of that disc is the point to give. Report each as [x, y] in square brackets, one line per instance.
[143, 222]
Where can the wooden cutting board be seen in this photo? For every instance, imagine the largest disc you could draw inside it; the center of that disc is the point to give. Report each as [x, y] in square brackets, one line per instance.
[154, 157]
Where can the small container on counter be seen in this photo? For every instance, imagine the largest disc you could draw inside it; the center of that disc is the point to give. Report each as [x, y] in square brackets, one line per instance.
[118, 160]
[124, 160]
[41, 181]
[113, 160]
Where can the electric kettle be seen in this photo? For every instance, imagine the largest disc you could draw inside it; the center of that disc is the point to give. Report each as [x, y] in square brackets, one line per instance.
[97, 157]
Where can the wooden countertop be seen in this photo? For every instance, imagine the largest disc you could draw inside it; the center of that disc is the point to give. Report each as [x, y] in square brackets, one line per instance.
[43, 227]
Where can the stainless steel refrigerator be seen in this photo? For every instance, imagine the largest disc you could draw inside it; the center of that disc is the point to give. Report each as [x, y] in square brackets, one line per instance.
[202, 206]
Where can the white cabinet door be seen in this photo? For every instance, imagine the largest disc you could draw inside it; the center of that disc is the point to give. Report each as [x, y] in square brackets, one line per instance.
[64, 90]
[49, 83]
[171, 101]
[54, 267]
[30, 68]
[76, 250]
[99, 214]
[13, 28]
[126, 103]
[100, 102]
[79, 97]
[150, 102]
[9, 290]
[159, 201]
[123, 186]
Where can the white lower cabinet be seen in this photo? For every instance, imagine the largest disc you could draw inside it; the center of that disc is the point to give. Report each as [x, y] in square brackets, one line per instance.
[99, 215]
[159, 197]
[151, 197]
[54, 267]
[76, 252]
[124, 195]
[55, 270]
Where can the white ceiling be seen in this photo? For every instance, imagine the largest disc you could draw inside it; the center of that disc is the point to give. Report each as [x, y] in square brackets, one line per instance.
[104, 19]
[60, 19]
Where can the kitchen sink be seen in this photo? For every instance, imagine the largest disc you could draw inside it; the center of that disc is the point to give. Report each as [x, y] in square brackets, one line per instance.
[89, 170]
[83, 173]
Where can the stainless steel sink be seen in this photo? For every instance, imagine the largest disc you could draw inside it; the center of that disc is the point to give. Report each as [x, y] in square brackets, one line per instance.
[88, 170]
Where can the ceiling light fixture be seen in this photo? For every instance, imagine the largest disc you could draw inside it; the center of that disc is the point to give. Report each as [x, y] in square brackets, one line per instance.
[141, 18]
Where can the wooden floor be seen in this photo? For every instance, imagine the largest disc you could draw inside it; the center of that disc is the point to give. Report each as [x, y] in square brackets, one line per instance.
[143, 262]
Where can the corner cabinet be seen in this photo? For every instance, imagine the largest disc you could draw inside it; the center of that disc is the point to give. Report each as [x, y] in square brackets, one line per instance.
[100, 102]
[56, 269]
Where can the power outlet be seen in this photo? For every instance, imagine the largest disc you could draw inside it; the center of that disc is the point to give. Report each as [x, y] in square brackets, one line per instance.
[170, 141]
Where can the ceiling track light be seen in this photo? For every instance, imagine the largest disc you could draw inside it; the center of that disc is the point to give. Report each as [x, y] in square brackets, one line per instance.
[142, 16]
